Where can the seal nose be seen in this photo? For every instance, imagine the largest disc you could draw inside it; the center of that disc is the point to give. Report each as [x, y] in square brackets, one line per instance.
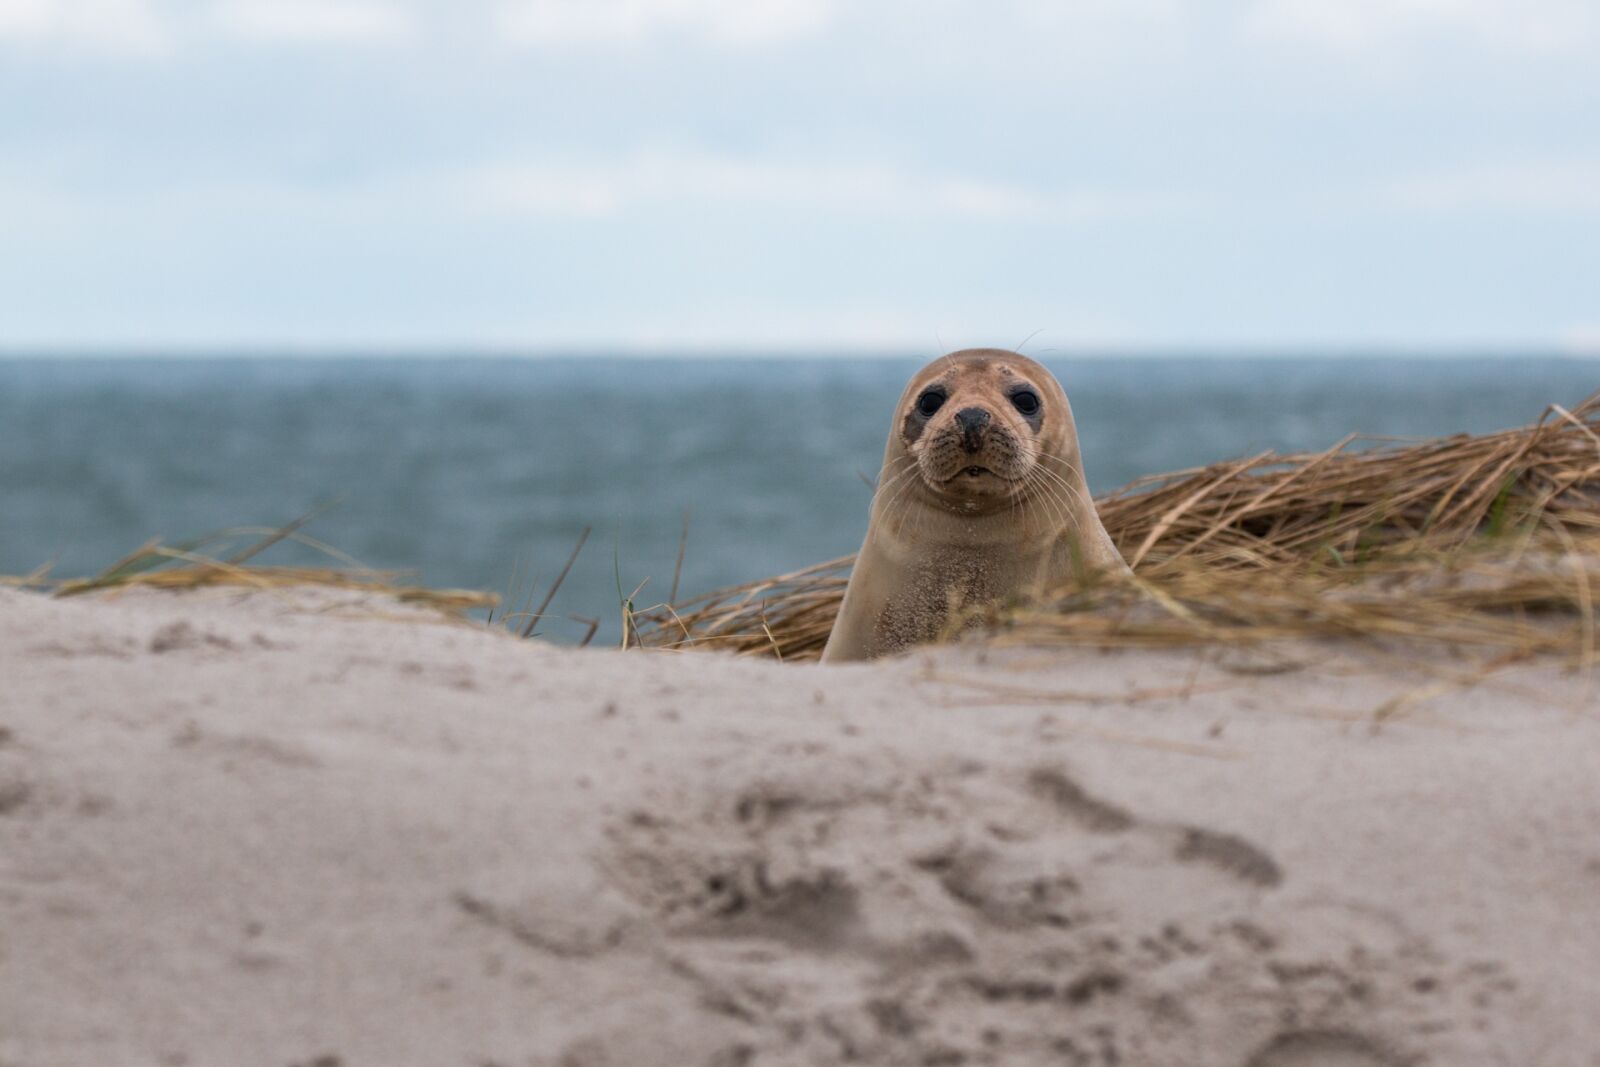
[973, 421]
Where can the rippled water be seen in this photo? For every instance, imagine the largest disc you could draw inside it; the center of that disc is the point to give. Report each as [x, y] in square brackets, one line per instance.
[466, 469]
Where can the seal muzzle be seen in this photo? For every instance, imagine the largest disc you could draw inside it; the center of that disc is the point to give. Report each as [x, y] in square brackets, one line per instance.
[973, 422]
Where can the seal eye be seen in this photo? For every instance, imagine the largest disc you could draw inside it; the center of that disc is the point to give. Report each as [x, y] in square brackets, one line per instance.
[929, 402]
[1025, 401]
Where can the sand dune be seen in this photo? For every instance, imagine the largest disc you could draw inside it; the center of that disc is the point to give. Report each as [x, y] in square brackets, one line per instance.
[254, 829]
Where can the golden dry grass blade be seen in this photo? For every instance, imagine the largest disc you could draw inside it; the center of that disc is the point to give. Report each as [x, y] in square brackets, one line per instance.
[37, 578]
[1173, 514]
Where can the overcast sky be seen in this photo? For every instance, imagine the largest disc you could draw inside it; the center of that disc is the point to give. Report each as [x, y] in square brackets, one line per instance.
[800, 173]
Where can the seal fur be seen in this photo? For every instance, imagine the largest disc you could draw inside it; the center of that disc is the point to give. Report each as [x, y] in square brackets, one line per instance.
[981, 500]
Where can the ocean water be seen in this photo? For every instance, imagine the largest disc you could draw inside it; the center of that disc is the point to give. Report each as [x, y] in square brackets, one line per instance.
[467, 471]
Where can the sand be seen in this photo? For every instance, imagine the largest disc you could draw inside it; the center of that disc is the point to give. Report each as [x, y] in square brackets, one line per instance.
[314, 828]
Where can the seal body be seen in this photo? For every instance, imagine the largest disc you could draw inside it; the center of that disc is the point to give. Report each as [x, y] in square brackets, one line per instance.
[981, 500]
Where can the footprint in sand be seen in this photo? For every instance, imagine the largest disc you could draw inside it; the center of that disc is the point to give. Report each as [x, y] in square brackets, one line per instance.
[1321, 1048]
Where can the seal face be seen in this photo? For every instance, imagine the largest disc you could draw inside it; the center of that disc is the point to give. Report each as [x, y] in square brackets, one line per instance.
[973, 430]
[981, 499]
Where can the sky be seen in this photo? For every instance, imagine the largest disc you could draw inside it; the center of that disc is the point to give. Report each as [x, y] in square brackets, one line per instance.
[799, 175]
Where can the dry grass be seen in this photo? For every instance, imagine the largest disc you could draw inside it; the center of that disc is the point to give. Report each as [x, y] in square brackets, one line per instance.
[1529, 595]
[198, 564]
[1488, 540]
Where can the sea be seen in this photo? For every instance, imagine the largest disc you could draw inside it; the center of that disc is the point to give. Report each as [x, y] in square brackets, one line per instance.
[482, 472]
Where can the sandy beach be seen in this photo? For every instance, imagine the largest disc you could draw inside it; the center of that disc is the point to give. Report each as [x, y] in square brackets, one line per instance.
[323, 828]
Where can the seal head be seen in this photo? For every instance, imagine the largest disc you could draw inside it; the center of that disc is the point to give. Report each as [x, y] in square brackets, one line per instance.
[976, 425]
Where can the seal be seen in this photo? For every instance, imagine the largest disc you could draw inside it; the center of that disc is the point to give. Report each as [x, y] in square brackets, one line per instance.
[981, 500]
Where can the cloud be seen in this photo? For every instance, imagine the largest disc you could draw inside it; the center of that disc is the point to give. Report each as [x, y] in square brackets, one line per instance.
[1568, 187]
[312, 21]
[1356, 26]
[120, 28]
[644, 185]
[610, 22]
[653, 179]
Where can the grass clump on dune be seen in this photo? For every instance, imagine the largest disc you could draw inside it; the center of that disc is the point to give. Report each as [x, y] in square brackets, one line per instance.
[205, 562]
[1490, 540]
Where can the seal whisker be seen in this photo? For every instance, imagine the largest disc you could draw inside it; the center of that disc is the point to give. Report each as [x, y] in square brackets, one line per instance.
[907, 465]
[1062, 500]
[1071, 489]
[1067, 502]
[887, 486]
[1021, 499]
[1058, 507]
[903, 483]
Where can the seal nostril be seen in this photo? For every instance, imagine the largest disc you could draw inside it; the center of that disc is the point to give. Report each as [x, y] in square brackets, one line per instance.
[970, 419]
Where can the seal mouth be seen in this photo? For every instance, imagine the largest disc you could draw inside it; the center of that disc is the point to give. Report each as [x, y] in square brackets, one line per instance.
[975, 472]
[970, 473]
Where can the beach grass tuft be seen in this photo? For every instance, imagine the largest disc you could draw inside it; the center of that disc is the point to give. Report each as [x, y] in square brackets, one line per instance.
[206, 562]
